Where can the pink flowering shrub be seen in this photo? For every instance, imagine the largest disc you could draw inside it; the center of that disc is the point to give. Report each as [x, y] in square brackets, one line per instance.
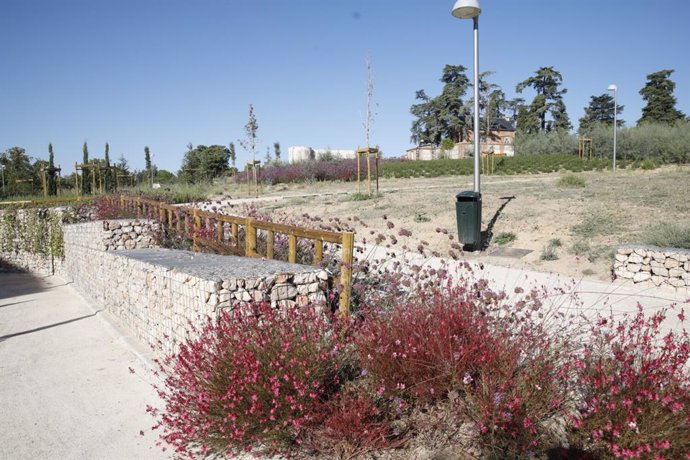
[635, 389]
[355, 422]
[249, 380]
[452, 343]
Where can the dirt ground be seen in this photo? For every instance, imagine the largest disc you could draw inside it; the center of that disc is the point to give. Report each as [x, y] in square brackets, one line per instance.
[582, 225]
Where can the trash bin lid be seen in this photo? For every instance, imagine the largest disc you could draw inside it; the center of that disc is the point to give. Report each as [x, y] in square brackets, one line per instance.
[468, 195]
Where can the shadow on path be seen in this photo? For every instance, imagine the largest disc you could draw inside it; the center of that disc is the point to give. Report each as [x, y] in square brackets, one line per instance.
[50, 326]
[13, 284]
[488, 234]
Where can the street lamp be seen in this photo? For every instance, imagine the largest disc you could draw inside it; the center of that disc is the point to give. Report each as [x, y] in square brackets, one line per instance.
[469, 9]
[614, 88]
[469, 204]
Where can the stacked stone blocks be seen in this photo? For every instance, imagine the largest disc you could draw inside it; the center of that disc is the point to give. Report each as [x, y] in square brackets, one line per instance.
[654, 265]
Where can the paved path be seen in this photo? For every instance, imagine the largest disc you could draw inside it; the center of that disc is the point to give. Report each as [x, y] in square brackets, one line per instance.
[66, 391]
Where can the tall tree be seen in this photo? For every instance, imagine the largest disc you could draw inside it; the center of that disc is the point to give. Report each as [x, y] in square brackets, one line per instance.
[16, 165]
[513, 106]
[491, 102]
[426, 128]
[599, 111]
[548, 101]
[276, 151]
[85, 173]
[204, 163]
[147, 162]
[445, 116]
[233, 154]
[661, 104]
[50, 171]
[108, 182]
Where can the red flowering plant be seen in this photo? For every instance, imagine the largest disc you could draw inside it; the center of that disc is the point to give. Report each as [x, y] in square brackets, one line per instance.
[635, 388]
[250, 380]
[456, 341]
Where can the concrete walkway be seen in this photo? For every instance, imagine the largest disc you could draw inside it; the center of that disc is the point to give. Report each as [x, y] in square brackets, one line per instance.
[66, 390]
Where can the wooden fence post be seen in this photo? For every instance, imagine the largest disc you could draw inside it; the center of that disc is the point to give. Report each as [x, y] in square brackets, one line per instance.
[270, 241]
[318, 251]
[235, 233]
[292, 248]
[197, 221]
[250, 238]
[220, 229]
[346, 272]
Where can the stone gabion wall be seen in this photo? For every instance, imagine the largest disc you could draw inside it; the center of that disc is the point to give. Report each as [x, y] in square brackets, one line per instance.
[23, 261]
[111, 235]
[156, 293]
[19, 254]
[651, 264]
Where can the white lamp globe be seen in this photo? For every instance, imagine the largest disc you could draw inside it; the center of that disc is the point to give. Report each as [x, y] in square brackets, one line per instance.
[466, 9]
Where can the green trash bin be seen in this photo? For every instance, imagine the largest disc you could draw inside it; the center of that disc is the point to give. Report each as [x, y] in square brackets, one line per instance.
[468, 208]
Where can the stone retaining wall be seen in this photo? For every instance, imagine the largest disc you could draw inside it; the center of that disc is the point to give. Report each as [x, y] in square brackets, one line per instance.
[41, 259]
[654, 265]
[23, 261]
[155, 293]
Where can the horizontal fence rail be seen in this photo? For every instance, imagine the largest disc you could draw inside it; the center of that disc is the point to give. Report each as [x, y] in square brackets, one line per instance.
[193, 222]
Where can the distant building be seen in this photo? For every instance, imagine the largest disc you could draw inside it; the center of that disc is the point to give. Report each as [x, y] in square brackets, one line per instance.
[500, 142]
[298, 153]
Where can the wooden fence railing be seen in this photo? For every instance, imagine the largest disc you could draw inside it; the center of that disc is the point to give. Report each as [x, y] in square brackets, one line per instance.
[192, 221]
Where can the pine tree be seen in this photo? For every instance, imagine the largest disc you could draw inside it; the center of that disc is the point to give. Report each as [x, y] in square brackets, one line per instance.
[548, 101]
[108, 182]
[599, 111]
[445, 116]
[661, 104]
[147, 162]
[233, 154]
[276, 150]
[85, 176]
[52, 182]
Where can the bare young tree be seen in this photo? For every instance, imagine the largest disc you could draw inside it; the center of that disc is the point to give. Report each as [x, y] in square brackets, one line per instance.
[250, 129]
[369, 121]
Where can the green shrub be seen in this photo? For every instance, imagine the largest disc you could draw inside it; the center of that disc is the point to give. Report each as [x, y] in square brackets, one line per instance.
[580, 247]
[549, 252]
[668, 235]
[571, 181]
[598, 223]
[546, 143]
[505, 238]
[661, 143]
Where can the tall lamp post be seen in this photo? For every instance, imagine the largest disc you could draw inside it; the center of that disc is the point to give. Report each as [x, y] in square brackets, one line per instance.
[614, 88]
[469, 204]
[469, 9]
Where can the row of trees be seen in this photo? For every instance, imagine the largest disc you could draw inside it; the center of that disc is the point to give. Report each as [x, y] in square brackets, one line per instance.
[22, 174]
[200, 163]
[448, 116]
[208, 162]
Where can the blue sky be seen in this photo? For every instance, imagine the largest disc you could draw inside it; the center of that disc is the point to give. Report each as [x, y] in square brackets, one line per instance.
[165, 73]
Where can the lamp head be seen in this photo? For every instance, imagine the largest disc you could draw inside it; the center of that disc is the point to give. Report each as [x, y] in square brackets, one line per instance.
[613, 88]
[466, 9]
